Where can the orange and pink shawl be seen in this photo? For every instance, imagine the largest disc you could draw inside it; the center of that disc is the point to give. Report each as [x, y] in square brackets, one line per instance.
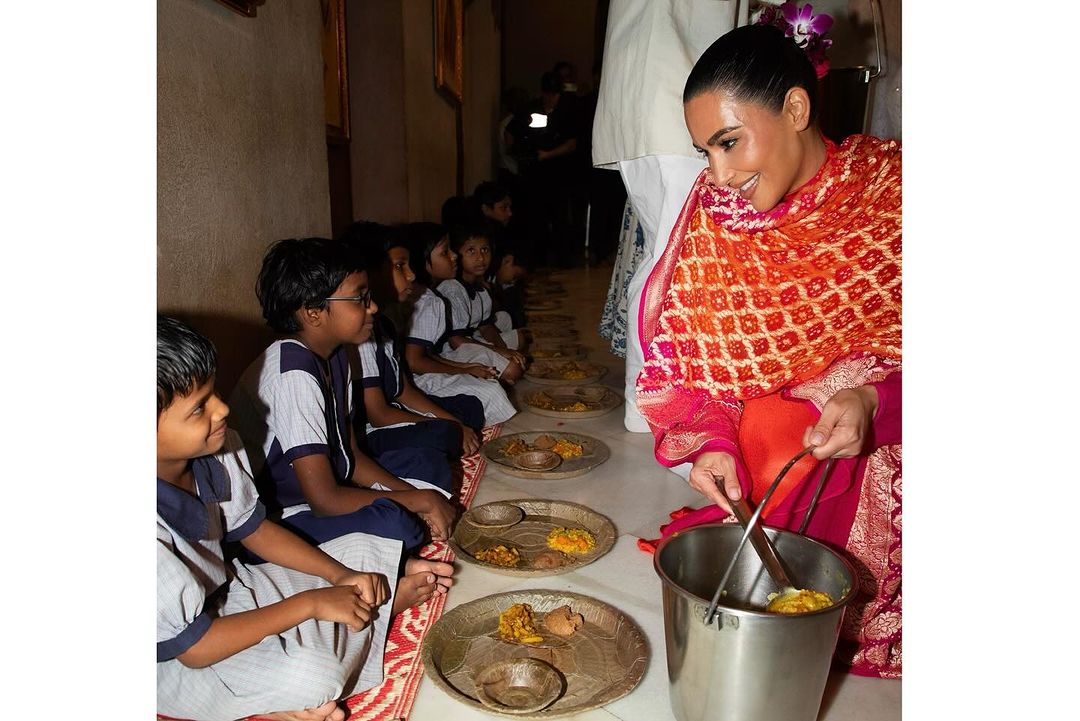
[800, 301]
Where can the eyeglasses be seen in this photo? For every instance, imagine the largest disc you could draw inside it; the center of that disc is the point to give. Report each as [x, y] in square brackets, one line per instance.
[364, 300]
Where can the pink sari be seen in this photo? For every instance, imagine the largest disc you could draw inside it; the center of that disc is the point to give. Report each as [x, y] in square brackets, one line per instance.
[708, 361]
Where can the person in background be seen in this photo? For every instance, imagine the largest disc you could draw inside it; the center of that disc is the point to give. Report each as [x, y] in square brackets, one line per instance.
[772, 322]
[649, 48]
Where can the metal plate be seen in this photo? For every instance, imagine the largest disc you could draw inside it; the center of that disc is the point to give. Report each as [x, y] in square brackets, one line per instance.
[605, 401]
[593, 453]
[604, 661]
[550, 372]
[529, 536]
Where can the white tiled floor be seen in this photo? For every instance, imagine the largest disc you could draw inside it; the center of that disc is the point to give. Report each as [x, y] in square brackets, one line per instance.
[635, 493]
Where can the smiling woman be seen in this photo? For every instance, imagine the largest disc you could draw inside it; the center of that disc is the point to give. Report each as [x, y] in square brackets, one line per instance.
[772, 321]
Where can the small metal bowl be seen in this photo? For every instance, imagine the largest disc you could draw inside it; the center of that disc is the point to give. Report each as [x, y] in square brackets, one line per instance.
[592, 394]
[519, 685]
[494, 515]
[537, 460]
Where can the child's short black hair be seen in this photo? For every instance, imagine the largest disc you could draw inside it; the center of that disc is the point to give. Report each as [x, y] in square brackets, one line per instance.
[301, 273]
[372, 242]
[489, 193]
[422, 238]
[185, 360]
[461, 232]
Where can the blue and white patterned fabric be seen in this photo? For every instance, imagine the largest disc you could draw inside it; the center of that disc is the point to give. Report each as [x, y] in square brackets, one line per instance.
[616, 318]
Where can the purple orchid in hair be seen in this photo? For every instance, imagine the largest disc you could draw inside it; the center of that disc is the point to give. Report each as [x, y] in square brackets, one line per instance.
[803, 25]
[804, 28]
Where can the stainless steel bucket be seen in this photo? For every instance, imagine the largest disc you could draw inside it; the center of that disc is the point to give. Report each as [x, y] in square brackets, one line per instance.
[748, 665]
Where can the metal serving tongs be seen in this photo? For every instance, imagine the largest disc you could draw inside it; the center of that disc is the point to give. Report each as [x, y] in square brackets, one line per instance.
[749, 521]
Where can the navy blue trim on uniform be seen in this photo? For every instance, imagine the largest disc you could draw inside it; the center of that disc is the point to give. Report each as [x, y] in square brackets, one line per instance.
[419, 341]
[258, 515]
[308, 449]
[182, 511]
[168, 650]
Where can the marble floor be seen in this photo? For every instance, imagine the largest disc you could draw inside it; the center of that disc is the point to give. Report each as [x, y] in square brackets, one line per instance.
[635, 493]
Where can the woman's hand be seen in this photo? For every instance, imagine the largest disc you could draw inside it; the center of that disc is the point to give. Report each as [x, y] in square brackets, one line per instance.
[710, 468]
[844, 426]
[373, 587]
[482, 372]
[340, 604]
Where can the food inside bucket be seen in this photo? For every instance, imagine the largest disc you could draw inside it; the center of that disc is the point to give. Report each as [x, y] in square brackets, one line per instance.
[803, 600]
[516, 625]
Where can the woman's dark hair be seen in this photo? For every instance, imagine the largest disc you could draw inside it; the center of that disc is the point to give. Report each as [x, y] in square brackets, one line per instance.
[301, 273]
[489, 193]
[185, 360]
[422, 238]
[755, 64]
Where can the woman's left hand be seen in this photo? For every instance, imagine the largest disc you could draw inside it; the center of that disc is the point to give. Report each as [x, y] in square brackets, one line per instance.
[844, 425]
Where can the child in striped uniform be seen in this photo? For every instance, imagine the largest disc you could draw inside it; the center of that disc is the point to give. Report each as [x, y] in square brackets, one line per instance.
[399, 416]
[429, 330]
[474, 336]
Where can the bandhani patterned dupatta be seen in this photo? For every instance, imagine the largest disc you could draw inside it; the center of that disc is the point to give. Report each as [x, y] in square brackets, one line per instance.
[743, 304]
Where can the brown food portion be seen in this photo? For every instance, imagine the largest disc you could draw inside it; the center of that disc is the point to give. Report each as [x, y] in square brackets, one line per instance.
[544, 442]
[562, 621]
[549, 559]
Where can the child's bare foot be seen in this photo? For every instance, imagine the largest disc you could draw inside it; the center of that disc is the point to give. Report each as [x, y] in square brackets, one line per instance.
[329, 711]
[422, 580]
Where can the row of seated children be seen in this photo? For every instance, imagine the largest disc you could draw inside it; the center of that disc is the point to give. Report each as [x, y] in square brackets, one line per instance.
[360, 500]
[286, 637]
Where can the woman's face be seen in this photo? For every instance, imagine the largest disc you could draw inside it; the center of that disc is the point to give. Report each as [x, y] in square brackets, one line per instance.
[401, 272]
[442, 264]
[756, 152]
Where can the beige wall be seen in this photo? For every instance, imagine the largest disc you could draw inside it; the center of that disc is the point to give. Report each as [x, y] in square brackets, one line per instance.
[430, 128]
[539, 34]
[377, 99]
[482, 87]
[241, 159]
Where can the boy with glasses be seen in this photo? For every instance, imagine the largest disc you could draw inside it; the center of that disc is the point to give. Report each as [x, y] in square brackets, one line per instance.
[293, 406]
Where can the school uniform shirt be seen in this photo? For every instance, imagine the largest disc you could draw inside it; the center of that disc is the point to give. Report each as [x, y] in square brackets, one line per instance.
[427, 329]
[301, 667]
[382, 369]
[290, 404]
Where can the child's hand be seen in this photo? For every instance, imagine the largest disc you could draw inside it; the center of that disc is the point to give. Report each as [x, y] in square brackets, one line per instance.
[481, 371]
[341, 604]
[511, 355]
[470, 444]
[374, 588]
[437, 513]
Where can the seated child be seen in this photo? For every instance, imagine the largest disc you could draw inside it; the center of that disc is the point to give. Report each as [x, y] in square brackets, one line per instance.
[507, 291]
[473, 334]
[398, 415]
[293, 407]
[429, 328]
[287, 638]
